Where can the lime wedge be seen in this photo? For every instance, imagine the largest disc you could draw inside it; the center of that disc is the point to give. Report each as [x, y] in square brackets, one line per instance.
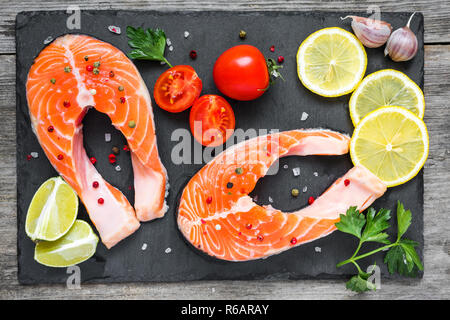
[52, 210]
[76, 246]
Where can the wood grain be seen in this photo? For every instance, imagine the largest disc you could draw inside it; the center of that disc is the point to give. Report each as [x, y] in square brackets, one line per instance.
[436, 280]
[436, 12]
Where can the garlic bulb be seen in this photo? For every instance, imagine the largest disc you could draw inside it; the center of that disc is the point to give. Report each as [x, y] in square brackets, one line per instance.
[402, 44]
[372, 33]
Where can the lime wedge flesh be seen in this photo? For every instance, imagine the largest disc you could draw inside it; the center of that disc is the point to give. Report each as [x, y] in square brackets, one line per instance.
[52, 210]
[76, 246]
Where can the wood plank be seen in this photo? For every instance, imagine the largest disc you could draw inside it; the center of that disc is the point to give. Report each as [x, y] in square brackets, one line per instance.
[436, 280]
[436, 12]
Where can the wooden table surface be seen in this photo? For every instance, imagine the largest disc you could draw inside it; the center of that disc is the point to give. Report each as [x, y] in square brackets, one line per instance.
[436, 281]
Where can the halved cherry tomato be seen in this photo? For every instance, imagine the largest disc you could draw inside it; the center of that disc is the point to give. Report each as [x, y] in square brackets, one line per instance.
[241, 73]
[212, 120]
[177, 88]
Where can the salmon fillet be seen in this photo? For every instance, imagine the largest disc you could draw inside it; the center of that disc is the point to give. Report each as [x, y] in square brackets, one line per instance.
[71, 75]
[217, 216]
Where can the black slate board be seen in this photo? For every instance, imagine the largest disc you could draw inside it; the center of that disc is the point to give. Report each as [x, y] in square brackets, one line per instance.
[210, 34]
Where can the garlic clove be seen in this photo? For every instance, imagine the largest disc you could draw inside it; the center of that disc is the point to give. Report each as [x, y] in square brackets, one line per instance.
[372, 33]
[402, 44]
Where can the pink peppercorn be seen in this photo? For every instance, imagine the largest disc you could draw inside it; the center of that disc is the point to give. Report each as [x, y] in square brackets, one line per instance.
[272, 48]
[95, 184]
[280, 59]
[346, 182]
[101, 201]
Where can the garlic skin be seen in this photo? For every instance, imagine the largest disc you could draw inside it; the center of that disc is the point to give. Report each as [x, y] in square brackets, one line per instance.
[372, 33]
[402, 44]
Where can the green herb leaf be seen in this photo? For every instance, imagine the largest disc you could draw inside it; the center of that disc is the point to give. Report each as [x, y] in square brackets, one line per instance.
[273, 67]
[147, 44]
[376, 223]
[403, 219]
[352, 222]
[403, 259]
[359, 283]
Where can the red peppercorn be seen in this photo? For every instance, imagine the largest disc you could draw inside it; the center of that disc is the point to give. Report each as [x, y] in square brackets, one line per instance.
[193, 54]
[28, 157]
[111, 74]
[272, 48]
[50, 129]
[89, 68]
[294, 240]
[311, 200]
[101, 201]
[209, 200]
[126, 148]
[95, 184]
[248, 226]
[60, 157]
[66, 103]
[346, 182]
[93, 160]
[260, 237]
[122, 99]
[280, 59]
[112, 158]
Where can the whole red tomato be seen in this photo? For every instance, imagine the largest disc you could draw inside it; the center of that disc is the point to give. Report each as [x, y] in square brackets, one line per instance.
[241, 73]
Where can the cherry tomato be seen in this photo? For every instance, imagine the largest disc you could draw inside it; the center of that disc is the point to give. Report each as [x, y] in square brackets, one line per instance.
[212, 120]
[177, 88]
[241, 73]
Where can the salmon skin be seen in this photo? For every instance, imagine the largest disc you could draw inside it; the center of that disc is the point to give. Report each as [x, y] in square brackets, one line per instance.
[71, 75]
[217, 216]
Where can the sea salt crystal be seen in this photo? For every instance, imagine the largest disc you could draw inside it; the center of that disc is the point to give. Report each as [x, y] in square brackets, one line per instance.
[144, 246]
[285, 166]
[318, 249]
[270, 200]
[114, 29]
[168, 42]
[296, 171]
[108, 137]
[315, 174]
[305, 189]
[168, 250]
[186, 34]
[162, 62]
[118, 168]
[218, 227]
[34, 154]
[171, 48]
[304, 116]
[48, 40]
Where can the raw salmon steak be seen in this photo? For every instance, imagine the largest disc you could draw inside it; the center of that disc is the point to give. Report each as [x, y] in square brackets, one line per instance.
[217, 216]
[71, 75]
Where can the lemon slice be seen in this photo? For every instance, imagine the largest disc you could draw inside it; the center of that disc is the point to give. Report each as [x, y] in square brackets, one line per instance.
[52, 210]
[392, 142]
[386, 88]
[331, 62]
[76, 246]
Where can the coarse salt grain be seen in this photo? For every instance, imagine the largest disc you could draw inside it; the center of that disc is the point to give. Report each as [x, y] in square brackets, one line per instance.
[115, 29]
[144, 246]
[305, 189]
[218, 227]
[315, 174]
[118, 168]
[296, 171]
[93, 91]
[285, 166]
[108, 137]
[48, 40]
[171, 48]
[186, 34]
[270, 200]
[168, 250]
[168, 42]
[162, 62]
[304, 116]
[318, 249]
[34, 154]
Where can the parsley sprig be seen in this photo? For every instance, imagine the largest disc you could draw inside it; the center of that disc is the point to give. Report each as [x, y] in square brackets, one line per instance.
[147, 44]
[401, 257]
